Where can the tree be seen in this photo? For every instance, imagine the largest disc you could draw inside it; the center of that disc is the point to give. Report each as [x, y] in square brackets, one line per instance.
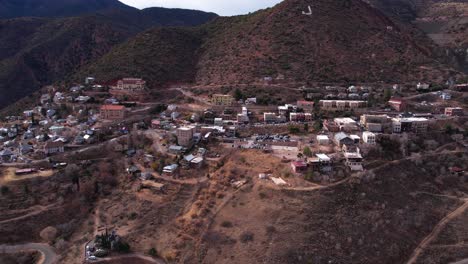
[4, 190]
[152, 252]
[72, 172]
[306, 127]
[387, 94]
[307, 151]
[238, 94]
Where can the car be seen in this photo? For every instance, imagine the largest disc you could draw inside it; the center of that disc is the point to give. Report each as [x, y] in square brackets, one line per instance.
[92, 258]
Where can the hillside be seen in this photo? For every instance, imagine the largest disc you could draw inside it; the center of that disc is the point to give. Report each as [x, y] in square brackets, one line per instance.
[39, 51]
[341, 41]
[444, 21]
[56, 8]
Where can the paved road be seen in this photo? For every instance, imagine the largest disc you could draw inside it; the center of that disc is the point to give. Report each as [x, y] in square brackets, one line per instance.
[48, 254]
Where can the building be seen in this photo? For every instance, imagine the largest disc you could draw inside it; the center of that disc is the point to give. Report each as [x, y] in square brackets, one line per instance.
[342, 105]
[131, 84]
[354, 161]
[454, 111]
[398, 104]
[342, 138]
[376, 123]
[321, 162]
[272, 118]
[307, 106]
[222, 99]
[346, 124]
[422, 86]
[300, 117]
[299, 166]
[185, 136]
[244, 116]
[112, 112]
[54, 147]
[410, 124]
[323, 140]
[331, 126]
[369, 137]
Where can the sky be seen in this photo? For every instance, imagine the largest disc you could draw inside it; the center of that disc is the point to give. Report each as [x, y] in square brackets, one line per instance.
[221, 7]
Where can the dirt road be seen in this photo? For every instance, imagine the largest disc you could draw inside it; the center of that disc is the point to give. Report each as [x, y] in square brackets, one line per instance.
[131, 257]
[48, 255]
[436, 231]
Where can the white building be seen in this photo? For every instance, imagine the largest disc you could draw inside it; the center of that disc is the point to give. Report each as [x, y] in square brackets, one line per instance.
[323, 139]
[185, 136]
[369, 137]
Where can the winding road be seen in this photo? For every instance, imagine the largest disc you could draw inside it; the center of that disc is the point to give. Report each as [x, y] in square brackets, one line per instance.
[48, 255]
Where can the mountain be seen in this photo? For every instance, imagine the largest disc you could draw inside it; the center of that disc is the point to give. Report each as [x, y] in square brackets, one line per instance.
[345, 40]
[56, 8]
[444, 21]
[39, 51]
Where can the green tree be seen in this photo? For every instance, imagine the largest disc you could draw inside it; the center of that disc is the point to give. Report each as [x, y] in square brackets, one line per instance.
[387, 94]
[307, 151]
[152, 252]
[238, 94]
[306, 127]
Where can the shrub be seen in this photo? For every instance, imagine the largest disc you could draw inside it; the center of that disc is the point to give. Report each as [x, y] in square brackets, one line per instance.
[152, 252]
[226, 224]
[246, 237]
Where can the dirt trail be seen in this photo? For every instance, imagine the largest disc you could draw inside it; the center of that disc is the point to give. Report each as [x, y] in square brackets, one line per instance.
[48, 255]
[436, 231]
[33, 213]
[134, 256]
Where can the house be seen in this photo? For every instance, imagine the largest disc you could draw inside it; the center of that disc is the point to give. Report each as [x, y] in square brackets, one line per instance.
[54, 147]
[354, 161]
[197, 162]
[369, 137]
[185, 136]
[25, 149]
[398, 104]
[112, 112]
[323, 139]
[355, 138]
[6, 155]
[222, 99]
[342, 138]
[422, 86]
[45, 98]
[299, 166]
[456, 171]
[130, 84]
[176, 150]
[171, 169]
[321, 162]
[454, 111]
[446, 96]
[272, 118]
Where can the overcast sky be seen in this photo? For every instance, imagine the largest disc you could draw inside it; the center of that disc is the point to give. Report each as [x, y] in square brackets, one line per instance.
[221, 7]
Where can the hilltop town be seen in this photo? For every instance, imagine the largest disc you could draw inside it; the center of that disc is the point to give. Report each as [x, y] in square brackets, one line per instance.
[117, 161]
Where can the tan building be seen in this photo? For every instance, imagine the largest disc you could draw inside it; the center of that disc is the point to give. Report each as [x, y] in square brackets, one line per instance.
[112, 112]
[376, 123]
[131, 84]
[222, 99]
[185, 136]
[341, 105]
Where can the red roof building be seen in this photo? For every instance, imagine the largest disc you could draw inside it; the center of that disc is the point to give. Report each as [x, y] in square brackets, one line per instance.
[398, 104]
[298, 166]
[112, 112]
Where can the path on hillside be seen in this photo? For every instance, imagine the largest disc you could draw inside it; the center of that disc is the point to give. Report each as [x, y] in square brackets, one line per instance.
[39, 210]
[48, 255]
[133, 255]
[436, 231]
